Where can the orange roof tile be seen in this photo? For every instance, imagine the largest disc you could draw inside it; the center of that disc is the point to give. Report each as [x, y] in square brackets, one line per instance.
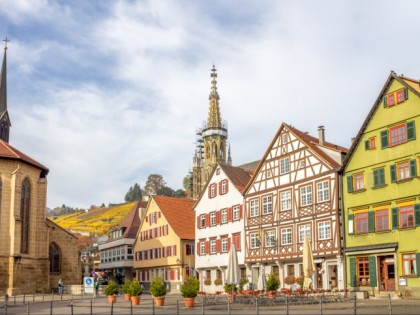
[238, 176]
[179, 213]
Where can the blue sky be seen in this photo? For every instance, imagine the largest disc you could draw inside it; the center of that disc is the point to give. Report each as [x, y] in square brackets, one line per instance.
[105, 93]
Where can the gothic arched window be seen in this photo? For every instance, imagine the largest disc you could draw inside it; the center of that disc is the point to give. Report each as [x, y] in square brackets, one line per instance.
[55, 258]
[25, 197]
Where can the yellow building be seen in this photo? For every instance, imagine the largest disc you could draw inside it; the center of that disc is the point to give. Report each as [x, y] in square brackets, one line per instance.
[164, 245]
[381, 186]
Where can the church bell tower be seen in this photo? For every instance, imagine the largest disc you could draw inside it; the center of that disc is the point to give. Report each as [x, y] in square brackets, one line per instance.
[211, 142]
[4, 115]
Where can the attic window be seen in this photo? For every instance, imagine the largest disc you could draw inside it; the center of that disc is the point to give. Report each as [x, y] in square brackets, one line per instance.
[218, 171]
[284, 139]
[395, 97]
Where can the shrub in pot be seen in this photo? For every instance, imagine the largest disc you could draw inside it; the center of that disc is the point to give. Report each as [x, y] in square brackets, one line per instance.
[158, 290]
[126, 289]
[135, 292]
[189, 290]
[111, 291]
[273, 282]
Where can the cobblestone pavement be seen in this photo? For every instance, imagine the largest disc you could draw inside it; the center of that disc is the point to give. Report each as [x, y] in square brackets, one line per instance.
[174, 305]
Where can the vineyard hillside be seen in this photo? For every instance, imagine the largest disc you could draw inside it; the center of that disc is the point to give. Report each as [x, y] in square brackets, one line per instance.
[98, 222]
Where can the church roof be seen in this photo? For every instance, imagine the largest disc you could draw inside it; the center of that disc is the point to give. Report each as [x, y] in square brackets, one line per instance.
[9, 152]
[3, 85]
[179, 213]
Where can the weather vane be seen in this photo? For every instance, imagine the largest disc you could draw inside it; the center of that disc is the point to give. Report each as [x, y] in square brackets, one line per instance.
[5, 43]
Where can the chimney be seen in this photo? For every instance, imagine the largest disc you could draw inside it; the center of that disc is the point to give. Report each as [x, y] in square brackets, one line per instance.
[321, 135]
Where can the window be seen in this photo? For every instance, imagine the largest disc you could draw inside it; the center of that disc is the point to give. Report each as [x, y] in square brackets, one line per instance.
[152, 218]
[323, 191]
[268, 174]
[324, 230]
[378, 177]
[370, 144]
[286, 236]
[202, 248]
[55, 254]
[284, 166]
[396, 97]
[224, 242]
[267, 204]
[406, 217]
[403, 170]
[284, 139]
[382, 220]
[212, 190]
[409, 264]
[304, 230]
[270, 239]
[254, 243]
[359, 181]
[25, 197]
[212, 246]
[189, 250]
[212, 218]
[285, 200]
[224, 216]
[363, 271]
[254, 206]
[306, 195]
[391, 99]
[398, 135]
[224, 187]
[400, 96]
[361, 219]
[202, 221]
[236, 213]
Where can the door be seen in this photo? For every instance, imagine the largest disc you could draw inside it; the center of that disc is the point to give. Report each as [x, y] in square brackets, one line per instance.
[387, 273]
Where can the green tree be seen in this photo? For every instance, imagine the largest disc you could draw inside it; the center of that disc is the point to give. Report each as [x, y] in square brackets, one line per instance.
[165, 191]
[153, 184]
[134, 193]
[129, 194]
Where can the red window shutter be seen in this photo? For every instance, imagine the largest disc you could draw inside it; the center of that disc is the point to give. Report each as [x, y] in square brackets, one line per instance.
[240, 212]
[209, 191]
[220, 187]
[175, 250]
[197, 251]
[228, 244]
[238, 241]
[227, 186]
[198, 222]
[172, 274]
[207, 247]
[207, 219]
[159, 214]
[217, 246]
[147, 218]
[215, 190]
[217, 217]
[168, 251]
[229, 214]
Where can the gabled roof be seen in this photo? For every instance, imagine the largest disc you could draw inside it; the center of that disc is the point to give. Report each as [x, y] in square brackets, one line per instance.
[179, 213]
[250, 167]
[310, 141]
[132, 221]
[238, 176]
[411, 84]
[9, 152]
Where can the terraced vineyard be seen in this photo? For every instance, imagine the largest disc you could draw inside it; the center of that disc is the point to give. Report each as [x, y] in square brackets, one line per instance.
[99, 221]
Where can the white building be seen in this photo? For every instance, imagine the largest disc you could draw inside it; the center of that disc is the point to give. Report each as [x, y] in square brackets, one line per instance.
[219, 223]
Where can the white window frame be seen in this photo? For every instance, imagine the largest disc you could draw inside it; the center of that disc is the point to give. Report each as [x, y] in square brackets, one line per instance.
[254, 207]
[236, 214]
[202, 248]
[212, 246]
[212, 218]
[202, 221]
[213, 190]
[223, 216]
[267, 204]
[324, 230]
[304, 230]
[323, 191]
[306, 195]
[253, 237]
[286, 236]
[224, 184]
[285, 200]
[284, 166]
[269, 238]
[224, 245]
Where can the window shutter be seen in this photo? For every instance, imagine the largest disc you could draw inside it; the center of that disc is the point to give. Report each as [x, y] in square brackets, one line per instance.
[384, 101]
[411, 130]
[417, 214]
[147, 218]
[372, 271]
[353, 281]
[218, 246]
[207, 247]
[371, 221]
[394, 218]
[351, 224]
[406, 93]
[215, 190]
[381, 176]
[217, 217]
[418, 264]
[172, 274]
[229, 214]
[384, 139]
[375, 178]
[220, 187]
[227, 186]
[349, 184]
[207, 219]
[393, 173]
[413, 168]
[159, 214]
[238, 241]
[198, 222]
[198, 249]
[240, 211]
[367, 145]
[208, 191]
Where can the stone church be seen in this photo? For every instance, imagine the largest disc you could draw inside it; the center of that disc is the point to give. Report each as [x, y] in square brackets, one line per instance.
[34, 251]
[211, 142]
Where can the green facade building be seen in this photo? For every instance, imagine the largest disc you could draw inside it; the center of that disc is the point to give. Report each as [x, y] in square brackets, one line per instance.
[381, 194]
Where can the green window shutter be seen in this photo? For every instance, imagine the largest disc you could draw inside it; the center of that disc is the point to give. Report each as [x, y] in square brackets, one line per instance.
[417, 214]
[411, 130]
[384, 139]
[384, 101]
[375, 178]
[395, 218]
[418, 264]
[393, 173]
[353, 280]
[372, 271]
[406, 93]
[349, 184]
[413, 168]
[367, 145]
[350, 219]
[381, 176]
[371, 221]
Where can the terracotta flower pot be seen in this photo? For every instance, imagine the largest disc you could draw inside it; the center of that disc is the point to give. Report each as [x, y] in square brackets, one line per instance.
[135, 300]
[112, 298]
[159, 300]
[189, 302]
[127, 296]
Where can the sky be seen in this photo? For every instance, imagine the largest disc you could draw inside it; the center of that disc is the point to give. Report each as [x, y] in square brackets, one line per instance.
[105, 93]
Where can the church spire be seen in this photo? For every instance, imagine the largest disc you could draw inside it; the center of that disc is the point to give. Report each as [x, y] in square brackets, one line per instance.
[214, 120]
[4, 116]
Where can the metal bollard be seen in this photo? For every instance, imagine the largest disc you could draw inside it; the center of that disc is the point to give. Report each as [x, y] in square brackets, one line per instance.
[91, 308]
[27, 309]
[320, 303]
[51, 307]
[177, 307]
[14, 299]
[228, 306]
[153, 306]
[112, 308]
[33, 297]
[287, 305]
[131, 307]
[390, 305]
[355, 305]
[256, 306]
[202, 308]
[23, 299]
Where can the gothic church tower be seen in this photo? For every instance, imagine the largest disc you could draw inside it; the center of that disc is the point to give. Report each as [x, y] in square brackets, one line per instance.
[211, 142]
[4, 116]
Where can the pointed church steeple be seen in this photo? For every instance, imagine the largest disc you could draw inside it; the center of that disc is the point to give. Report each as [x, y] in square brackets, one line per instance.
[214, 119]
[4, 116]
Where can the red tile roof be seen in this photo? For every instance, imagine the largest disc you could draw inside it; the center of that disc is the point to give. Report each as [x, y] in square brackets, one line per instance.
[132, 220]
[179, 213]
[237, 175]
[9, 152]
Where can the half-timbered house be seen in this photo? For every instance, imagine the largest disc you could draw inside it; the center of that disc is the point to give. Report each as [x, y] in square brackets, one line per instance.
[295, 192]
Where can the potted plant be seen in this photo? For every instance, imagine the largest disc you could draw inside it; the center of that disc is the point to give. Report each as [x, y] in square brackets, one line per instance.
[207, 281]
[111, 291]
[229, 289]
[218, 281]
[242, 284]
[273, 283]
[290, 280]
[135, 292]
[189, 290]
[300, 280]
[126, 289]
[158, 290]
